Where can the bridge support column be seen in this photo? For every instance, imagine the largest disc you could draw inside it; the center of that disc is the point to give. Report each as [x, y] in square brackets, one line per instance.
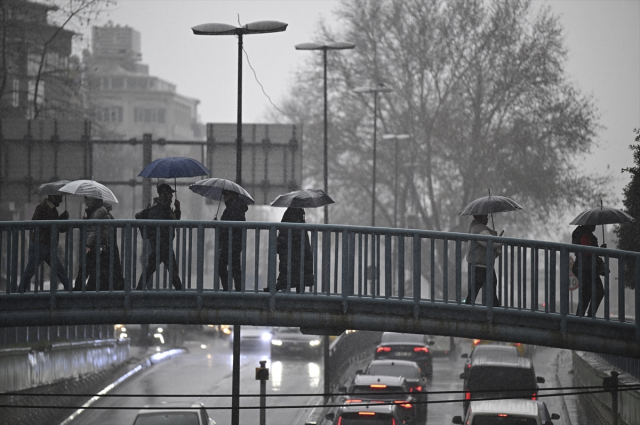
[235, 379]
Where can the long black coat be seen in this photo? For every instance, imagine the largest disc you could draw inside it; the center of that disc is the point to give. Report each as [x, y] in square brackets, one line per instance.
[294, 215]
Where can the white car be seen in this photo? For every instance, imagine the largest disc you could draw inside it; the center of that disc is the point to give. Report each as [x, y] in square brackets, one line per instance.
[254, 336]
[174, 413]
[507, 412]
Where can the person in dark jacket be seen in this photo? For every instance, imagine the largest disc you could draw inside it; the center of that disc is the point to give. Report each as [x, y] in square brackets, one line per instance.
[46, 210]
[583, 235]
[293, 215]
[161, 210]
[97, 209]
[235, 209]
[479, 227]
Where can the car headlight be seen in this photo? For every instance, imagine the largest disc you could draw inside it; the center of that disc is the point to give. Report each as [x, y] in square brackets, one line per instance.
[276, 342]
[123, 335]
[123, 329]
[160, 330]
[314, 342]
[266, 336]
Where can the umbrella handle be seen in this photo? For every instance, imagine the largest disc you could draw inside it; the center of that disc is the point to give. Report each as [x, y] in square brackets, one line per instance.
[216, 217]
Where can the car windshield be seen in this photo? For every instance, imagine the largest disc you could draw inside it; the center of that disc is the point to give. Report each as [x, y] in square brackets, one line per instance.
[389, 370]
[408, 338]
[502, 420]
[487, 378]
[288, 330]
[388, 393]
[168, 418]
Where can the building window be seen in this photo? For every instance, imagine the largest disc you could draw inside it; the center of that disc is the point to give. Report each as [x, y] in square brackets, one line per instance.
[149, 115]
[109, 114]
[16, 93]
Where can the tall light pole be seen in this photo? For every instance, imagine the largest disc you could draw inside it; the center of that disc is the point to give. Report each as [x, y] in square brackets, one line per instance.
[260, 27]
[324, 47]
[396, 137]
[378, 88]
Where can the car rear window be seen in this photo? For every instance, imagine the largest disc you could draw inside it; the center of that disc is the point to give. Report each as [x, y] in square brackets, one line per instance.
[388, 393]
[502, 420]
[388, 370]
[357, 419]
[168, 418]
[409, 338]
[487, 378]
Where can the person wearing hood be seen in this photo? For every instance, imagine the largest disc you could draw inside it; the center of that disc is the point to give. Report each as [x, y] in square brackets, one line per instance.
[97, 209]
[583, 235]
[161, 210]
[479, 227]
[235, 209]
[293, 215]
[46, 210]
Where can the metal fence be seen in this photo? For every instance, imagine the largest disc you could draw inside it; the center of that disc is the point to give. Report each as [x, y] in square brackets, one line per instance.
[416, 266]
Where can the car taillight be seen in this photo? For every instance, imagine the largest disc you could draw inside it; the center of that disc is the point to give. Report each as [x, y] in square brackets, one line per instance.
[367, 413]
[502, 415]
[418, 388]
[378, 386]
[517, 344]
[534, 397]
[467, 395]
[403, 403]
[383, 349]
[340, 420]
[393, 421]
[421, 349]
[353, 400]
[476, 341]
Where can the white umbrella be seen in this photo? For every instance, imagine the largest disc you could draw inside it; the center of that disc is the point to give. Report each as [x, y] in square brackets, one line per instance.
[309, 198]
[89, 188]
[212, 188]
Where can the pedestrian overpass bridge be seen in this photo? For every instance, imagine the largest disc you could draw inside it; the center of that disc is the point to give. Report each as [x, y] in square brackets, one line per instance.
[366, 278]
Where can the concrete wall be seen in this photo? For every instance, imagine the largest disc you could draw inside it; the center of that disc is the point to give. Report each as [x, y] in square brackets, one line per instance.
[22, 368]
[590, 370]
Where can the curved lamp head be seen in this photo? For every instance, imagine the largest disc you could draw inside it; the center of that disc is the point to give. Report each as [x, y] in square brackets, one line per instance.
[339, 45]
[380, 88]
[259, 27]
[396, 136]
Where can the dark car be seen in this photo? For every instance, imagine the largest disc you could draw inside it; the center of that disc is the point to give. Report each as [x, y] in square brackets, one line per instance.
[291, 341]
[401, 346]
[411, 373]
[382, 389]
[500, 377]
[382, 414]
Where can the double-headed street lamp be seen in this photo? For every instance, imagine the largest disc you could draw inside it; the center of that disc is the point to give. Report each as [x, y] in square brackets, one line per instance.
[260, 27]
[396, 137]
[324, 47]
[378, 88]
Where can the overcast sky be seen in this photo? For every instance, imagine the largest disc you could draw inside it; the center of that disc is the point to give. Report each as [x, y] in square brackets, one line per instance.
[602, 36]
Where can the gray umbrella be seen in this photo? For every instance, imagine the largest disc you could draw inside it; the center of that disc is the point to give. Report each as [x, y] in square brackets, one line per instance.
[600, 216]
[53, 188]
[308, 198]
[489, 205]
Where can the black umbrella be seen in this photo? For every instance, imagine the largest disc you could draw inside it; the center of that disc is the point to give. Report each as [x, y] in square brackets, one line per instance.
[600, 216]
[173, 167]
[53, 188]
[489, 205]
[308, 198]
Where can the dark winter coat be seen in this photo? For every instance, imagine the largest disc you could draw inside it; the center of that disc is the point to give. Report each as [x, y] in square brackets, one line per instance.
[294, 215]
[98, 210]
[235, 209]
[47, 211]
[160, 211]
[582, 235]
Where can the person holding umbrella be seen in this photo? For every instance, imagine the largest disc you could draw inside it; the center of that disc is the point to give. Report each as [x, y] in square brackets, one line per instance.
[479, 227]
[161, 210]
[235, 209]
[293, 215]
[46, 210]
[583, 235]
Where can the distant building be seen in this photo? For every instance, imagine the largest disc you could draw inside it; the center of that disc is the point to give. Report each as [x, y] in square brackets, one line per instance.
[129, 102]
[27, 32]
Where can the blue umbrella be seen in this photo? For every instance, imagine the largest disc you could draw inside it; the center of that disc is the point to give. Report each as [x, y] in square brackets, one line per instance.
[174, 167]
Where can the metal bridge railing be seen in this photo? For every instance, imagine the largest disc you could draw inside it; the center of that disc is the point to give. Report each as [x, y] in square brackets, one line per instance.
[348, 261]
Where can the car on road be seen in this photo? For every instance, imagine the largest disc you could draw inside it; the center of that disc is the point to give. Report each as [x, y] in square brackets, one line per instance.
[403, 346]
[410, 371]
[443, 346]
[288, 340]
[254, 336]
[500, 377]
[382, 414]
[174, 413]
[488, 350]
[506, 412]
[382, 389]
[523, 349]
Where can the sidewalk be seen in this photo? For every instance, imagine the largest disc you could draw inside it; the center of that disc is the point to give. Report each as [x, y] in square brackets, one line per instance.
[564, 378]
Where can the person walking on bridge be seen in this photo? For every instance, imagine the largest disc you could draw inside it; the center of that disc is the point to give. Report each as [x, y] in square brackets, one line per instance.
[235, 209]
[46, 210]
[583, 235]
[479, 227]
[161, 210]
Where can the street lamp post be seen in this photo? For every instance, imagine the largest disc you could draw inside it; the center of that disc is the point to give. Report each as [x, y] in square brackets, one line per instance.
[378, 88]
[396, 137]
[260, 27]
[324, 48]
